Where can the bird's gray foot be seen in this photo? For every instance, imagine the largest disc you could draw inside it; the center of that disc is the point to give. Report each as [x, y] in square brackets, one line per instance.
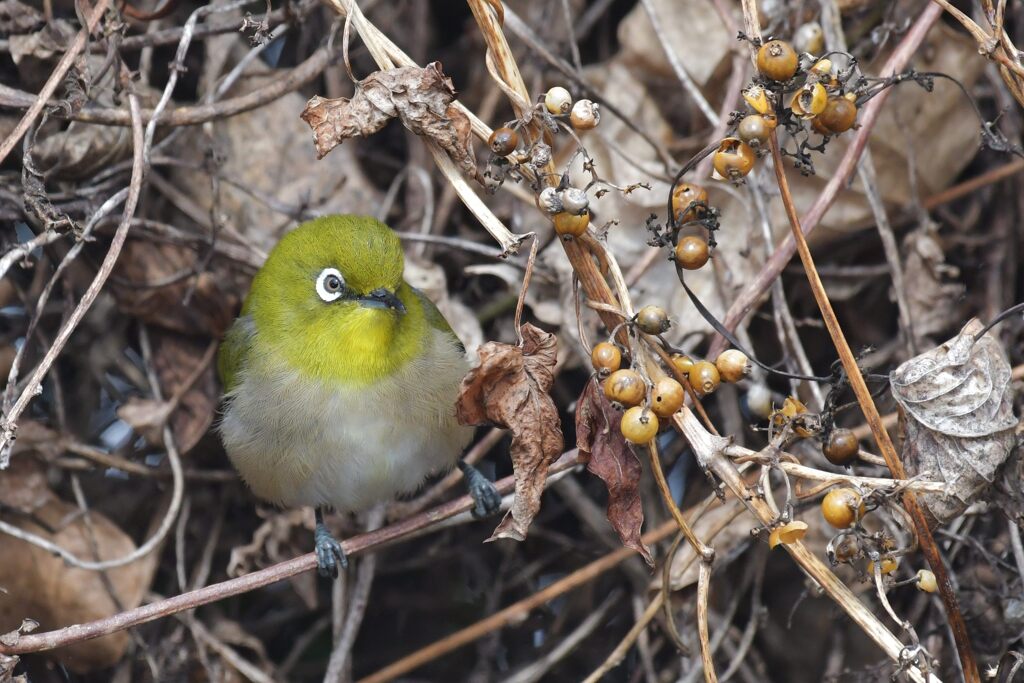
[485, 495]
[329, 553]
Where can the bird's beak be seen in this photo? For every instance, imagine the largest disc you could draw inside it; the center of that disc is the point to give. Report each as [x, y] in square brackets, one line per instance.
[382, 298]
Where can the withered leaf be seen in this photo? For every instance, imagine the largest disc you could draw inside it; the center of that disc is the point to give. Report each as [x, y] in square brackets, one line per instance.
[42, 587]
[958, 406]
[209, 311]
[510, 388]
[176, 359]
[608, 457]
[420, 97]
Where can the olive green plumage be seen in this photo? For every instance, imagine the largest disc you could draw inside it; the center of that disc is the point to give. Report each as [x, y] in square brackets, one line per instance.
[340, 378]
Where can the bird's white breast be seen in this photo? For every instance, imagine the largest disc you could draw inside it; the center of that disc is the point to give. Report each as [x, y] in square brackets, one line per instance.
[298, 441]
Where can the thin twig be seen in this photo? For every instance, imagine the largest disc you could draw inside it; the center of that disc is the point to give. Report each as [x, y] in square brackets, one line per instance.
[38, 642]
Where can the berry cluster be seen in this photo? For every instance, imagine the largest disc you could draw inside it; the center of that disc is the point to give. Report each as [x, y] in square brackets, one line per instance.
[644, 401]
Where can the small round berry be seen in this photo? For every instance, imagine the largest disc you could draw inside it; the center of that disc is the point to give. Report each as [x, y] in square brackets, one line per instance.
[838, 116]
[687, 201]
[692, 252]
[574, 200]
[549, 201]
[606, 358]
[667, 397]
[733, 365]
[625, 387]
[652, 320]
[777, 60]
[503, 141]
[734, 159]
[757, 97]
[841, 447]
[703, 377]
[887, 566]
[809, 101]
[759, 401]
[926, 581]
[809, 38]
[682, 362]
[842, 507]
[571, 225]
[638, 425]
[754, 130]
[585, 115]
[558, 101]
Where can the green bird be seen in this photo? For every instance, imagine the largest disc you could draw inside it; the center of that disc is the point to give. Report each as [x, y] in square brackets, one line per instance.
[341, 379]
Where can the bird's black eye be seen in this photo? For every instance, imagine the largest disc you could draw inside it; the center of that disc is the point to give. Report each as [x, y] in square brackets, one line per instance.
[330, 284]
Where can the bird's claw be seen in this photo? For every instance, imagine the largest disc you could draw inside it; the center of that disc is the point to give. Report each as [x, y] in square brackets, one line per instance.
[486, 499]
[329, 553]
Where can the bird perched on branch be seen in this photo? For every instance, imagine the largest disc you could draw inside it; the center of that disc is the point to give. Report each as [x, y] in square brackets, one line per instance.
[340, 379]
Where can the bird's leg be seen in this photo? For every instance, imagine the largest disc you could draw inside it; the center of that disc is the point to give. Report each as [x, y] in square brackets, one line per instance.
[329, 553]
[483, 491]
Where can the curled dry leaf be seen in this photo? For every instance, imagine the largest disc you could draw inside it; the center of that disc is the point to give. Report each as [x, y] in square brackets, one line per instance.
[958, 408]
[510, 388]
[42, 587]
[609, 458]
[420, 97]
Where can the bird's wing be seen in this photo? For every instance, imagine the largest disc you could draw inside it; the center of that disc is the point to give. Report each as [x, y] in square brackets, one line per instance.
[233, 351]
[436, 320]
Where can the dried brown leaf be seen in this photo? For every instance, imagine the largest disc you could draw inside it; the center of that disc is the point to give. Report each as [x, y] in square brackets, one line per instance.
[608, 457]
[420, 97]
[959, 421]
[209, 310]
[23, 486]
[510, 388]
[41, 586]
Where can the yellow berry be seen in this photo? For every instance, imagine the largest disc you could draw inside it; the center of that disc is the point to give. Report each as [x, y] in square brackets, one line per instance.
[626, 387]
[571, 225]
[558, 101]
[842, 507]
[682, 362]
[777, 60]
[704, 377]
[734, 159]
[685, 196]
[692, 252]
[888, 566]
[606, 358]
[667, 397]
[733, 365]
[838, 116]
[841, 447]
[639, 425]
[652, 320]
[926, 581]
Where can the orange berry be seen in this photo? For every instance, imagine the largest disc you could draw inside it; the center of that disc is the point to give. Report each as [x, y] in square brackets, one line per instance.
[692, 252]
[571, 225]
[626, 387]
[606, 358]
[639, 426]
[667, 397]
[777, 60]
[503, 141]
[685, 195]
[841, 447]
[842, 507]
[734, 159]
[733, 365]
[704, 377]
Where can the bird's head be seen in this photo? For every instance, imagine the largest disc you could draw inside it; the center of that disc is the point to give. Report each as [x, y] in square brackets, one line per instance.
[332, 301]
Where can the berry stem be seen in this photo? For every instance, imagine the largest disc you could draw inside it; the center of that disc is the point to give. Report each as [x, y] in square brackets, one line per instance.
[874, 420]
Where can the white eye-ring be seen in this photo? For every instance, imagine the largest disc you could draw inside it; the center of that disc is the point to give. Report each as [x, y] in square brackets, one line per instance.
[329, 284]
